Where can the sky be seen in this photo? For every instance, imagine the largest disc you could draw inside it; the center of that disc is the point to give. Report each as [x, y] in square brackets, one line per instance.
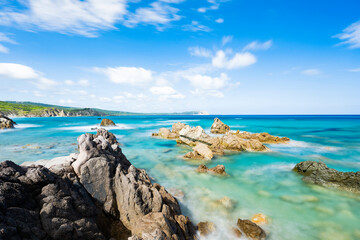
[220, 56]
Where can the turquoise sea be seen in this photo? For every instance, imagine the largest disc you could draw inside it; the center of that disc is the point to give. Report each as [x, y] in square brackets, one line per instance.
[257, 182]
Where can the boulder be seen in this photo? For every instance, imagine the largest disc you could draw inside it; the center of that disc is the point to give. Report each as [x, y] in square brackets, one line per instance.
[218, 127]
[263, 137]
[318, 173]
[176, 127]
[193, 135]
[96, 194]
[6, 122]
[251, 230]
[166, 133]
[107, 122]
[218, 170]
[205, 228]
[233, 142]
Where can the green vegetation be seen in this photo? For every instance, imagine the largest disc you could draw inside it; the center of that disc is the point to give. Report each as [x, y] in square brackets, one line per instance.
[39, 110]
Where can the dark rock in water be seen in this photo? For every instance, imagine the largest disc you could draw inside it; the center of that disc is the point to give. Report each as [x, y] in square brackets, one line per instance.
[107, 122]
[218, 127]
[95, 128]
[96, 194]
[318, 173]
[6, 122]
[251, 230]
[219, 169]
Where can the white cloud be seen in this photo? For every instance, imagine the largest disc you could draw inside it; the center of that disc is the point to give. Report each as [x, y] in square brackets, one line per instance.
[86, 17]
[83, 82]
[158, 14]
[351, 35]
[311, 72]
[199, 52]
[139, 96]
[166, 93]
[255, 45]
[211, 93]
[354, 70]
[207, 82]
[219, 20]
[127, 75]
[220, 60]
[226, 39]
[65, 101]
[19, 71]
[195, 26]
[5, 38]
[3, 49]
[214, 5]
[69, 83]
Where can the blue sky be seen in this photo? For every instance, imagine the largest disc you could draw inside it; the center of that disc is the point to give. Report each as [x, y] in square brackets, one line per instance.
[222, 56]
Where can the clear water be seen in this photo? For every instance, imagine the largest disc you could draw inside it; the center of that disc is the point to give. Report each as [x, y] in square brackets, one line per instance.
[257, 182]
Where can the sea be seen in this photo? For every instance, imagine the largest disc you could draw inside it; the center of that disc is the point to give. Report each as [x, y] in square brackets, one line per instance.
[256, 182]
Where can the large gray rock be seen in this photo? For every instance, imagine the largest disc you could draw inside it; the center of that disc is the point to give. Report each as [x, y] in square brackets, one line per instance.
[318, 173]
[96, 194]
[6, 122]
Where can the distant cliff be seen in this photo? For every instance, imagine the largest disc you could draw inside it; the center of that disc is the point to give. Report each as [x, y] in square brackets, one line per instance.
[30, 109]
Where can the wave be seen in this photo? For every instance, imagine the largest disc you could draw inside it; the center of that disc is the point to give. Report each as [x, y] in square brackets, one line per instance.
[296, 145]
[19, 127]
[270, 167]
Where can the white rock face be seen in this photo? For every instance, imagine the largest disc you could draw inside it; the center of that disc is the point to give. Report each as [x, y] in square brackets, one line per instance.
[193, 135]
[204, 151]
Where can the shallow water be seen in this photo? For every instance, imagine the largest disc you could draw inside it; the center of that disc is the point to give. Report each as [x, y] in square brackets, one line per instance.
[257, 182]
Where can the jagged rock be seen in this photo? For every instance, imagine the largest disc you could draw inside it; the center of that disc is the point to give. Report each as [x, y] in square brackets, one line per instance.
[201, 151]
[112, 200]
[176, 127]
[192, 136]
[318, 173]
[218, 127]
[262, 137]
[205, 228]
[6, 122]
[107, 122]
[219, 169]
[233, 142]
[251, 230]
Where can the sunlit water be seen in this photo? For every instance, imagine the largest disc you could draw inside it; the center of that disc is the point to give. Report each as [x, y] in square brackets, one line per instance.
[257, 182]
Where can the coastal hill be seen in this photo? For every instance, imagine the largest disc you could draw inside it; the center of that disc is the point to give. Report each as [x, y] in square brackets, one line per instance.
[31, 109]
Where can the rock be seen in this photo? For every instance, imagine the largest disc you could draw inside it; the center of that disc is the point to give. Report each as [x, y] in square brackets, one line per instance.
[227, 202]
[112, 200]
[219, 169]
[218, 127]
[192, 136]
[233, 142]
[205, 228]
[6, 122]
[107, 122]
[318, 173]
[262, 137]
[176, 127]
[155, 134]
[251, 230]
[259, 218]
[201, 151]
[166, 133]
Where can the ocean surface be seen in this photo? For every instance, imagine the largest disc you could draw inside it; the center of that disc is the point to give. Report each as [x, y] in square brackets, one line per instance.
[257, 182]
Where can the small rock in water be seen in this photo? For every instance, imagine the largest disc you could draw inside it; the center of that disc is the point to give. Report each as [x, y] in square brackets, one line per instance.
[107, 122]
[251, 230]
[219, 169]
[205, 228]
[167, 150]
[259, 218]
[325, 210]
[264, 193]
[227, 202]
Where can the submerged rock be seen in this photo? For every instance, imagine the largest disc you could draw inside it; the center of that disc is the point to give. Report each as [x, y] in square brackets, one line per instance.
[107, 122]
[6, 122]
[219, 169]
[318, 173]
[96, 194]
[218, 127]
[251, 230]
[205, 228]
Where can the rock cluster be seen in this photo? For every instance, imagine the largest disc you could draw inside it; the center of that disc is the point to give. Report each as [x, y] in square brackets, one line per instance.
[96, 194]
[6, 122]
[218, 170]
[318, 173]
[263, 137]
[218, 127]
[107, 122]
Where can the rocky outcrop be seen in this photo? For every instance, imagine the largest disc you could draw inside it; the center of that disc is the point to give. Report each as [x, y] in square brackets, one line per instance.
[6, 122]
[170, 134]
[232, 141]
[318, 173]
[96, 194]
[218, 170]
[107, 122]
[176, 127]
[218, 127]
[262, 137]
[200, 151]
[250, 229]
